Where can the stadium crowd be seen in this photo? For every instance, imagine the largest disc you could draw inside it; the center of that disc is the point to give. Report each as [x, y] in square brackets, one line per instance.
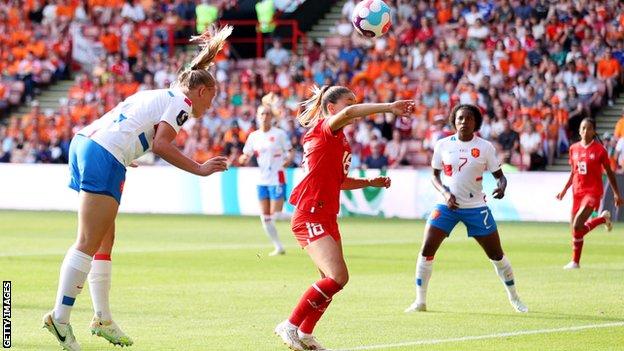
[535, 68]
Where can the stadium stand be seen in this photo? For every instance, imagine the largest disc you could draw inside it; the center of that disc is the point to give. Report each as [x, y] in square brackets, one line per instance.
[535, 68]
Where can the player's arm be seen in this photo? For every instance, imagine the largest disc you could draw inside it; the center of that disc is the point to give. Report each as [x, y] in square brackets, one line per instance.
[349, 113]
[501, 184]
[359, 183]
[290, 156]
[163, 147]
[566, 187]
[451, 202]
[613, 182]
[247, 151]
[243, 159]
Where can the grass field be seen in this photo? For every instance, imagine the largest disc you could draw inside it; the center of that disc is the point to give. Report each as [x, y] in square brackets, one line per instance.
[205, 283]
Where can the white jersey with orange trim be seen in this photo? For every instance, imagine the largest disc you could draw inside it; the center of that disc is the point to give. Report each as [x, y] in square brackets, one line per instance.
[462, 165]
[270, 149]
[127, 131]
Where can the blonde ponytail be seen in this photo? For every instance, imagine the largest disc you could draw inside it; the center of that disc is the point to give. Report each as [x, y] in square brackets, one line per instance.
[312, 107]
[211, 42]
[317, 103]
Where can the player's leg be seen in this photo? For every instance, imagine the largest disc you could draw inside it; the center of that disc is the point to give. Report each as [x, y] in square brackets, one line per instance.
[278, 209]
[493, 249]
[439, 225]
[326, 254]
[96, 214]
[99, 286]
[307, 326]
[267, 220]
[581, 226]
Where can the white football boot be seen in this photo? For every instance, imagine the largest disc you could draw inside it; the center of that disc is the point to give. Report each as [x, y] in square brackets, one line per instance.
[288, 333]
[109, 331]
[572, 265]
[416, 307]
[62, 332]
[519, 306]
[310, 342]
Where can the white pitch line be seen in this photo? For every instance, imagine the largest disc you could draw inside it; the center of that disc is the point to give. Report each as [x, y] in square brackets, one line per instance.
[209, 247]
[483, 337]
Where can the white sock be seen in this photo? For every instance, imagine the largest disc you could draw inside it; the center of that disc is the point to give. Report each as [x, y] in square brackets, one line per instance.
[424, 266]
[268, 223]
[505, 273]
[99, 286]
[74, 270]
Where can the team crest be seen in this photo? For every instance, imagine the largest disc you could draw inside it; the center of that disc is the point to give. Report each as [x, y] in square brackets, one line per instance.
[475, 152]
[272, 139]
[435, 214]
[182, 117]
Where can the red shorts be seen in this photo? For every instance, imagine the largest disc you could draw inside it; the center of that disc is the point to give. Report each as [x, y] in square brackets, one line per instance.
[309, 227]
[585, 200]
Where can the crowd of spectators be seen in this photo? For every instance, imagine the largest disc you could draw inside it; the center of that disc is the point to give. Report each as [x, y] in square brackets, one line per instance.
[536, 68]
[33, 52]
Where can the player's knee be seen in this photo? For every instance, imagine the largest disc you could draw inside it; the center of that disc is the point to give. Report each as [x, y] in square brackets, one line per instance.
[428, 250]
[496, 256]
[578, 226]
[341, 277]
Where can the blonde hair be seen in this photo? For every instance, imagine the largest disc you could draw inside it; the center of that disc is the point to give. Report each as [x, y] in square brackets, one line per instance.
[211, 42]
[270, 101]
[317, 103]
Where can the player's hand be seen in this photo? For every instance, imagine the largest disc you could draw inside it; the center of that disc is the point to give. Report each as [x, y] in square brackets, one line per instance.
[498, 193]
[451, 202]
[402, 107]
[215, 164]
[133, 164]
[560, 196]
[618, 200]
[380, 182]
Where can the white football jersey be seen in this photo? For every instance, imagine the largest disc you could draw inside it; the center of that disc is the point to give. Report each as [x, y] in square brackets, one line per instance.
[462, 165]
[270, 149]
[127, 131]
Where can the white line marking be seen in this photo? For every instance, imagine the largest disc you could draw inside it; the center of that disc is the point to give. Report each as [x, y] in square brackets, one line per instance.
[483, 337]
[209, 247]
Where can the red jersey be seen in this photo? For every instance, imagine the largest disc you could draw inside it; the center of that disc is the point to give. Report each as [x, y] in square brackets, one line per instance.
[326, 161]
[587, 163]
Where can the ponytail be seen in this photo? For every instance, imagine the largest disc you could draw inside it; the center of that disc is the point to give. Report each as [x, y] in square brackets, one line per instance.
[312, 107]
[211, 42]
[317, 103]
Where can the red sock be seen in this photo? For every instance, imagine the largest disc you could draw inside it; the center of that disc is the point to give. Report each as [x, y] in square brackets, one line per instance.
[577, 248]
[591, 224]
[314, 298]
[308, 324]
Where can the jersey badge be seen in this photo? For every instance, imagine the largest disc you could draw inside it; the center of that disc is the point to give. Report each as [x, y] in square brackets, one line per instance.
[272, 139]
[182, 117]
[592, 156]
[475, 152]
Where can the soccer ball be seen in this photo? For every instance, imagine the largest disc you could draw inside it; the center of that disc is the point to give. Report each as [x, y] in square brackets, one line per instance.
[371, 18]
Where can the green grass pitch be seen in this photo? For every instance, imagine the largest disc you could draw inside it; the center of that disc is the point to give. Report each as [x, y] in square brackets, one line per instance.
[205, 283]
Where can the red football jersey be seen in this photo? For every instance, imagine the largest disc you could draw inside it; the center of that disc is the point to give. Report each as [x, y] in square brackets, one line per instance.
[587, 164]
[326, 161]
